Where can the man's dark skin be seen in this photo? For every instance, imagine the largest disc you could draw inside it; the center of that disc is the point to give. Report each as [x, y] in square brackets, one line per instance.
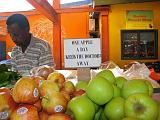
[21, 37]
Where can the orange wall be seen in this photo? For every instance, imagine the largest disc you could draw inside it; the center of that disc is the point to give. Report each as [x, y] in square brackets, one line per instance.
[74, 25]
[2, 28]
[41, 27]
[117, 22]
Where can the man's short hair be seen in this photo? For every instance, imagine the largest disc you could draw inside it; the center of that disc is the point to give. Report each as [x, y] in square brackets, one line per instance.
[19, 19]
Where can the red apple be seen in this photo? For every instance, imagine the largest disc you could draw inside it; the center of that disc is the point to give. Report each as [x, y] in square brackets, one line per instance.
[53, 103]
[69, 87]
[25, 91]
[78, 92]
[66, 95]
[43, 115]
[59, 116]
[38, 80]
[5, 89]
[44, 71]
[25, 112]
[7, 105]
[38, 105]
[47, 87]
[57, 77]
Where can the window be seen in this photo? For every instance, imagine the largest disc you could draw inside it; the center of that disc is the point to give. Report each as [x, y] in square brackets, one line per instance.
[139, 44]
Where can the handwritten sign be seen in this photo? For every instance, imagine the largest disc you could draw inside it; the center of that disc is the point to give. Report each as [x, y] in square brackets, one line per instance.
[82, 53]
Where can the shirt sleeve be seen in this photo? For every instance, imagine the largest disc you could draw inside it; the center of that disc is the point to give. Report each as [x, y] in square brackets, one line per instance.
[46, 57]
[13, 63]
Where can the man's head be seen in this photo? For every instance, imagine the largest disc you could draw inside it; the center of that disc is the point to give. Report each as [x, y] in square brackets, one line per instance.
[18, 28]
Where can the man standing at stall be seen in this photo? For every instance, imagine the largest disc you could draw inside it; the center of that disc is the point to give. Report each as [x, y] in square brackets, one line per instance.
[29, 51]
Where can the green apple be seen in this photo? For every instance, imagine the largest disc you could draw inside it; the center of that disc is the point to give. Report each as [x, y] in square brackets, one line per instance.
[119, 81]
[114, 110]
[99, 90]
[97, 107]
[129, 118]
[82, 84]
[54, 103]
[141, 106]
[150, 87]
[103, 116]
[82, 108]
[98, 114]
[108, 75]
[117, 91]
[134, 86]
[158, 117]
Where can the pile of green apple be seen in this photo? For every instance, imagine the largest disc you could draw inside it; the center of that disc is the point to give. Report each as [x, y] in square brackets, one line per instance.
[114, 98]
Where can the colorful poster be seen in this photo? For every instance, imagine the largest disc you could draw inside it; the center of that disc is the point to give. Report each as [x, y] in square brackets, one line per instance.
[139, 19]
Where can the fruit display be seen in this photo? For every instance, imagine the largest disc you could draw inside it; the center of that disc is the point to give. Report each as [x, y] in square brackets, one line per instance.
[54, 97]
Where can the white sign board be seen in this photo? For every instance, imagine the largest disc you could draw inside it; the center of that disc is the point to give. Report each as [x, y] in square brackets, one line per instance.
[82, 53]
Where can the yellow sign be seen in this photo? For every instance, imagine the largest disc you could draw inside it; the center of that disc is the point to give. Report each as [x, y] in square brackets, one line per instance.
[139, 19]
